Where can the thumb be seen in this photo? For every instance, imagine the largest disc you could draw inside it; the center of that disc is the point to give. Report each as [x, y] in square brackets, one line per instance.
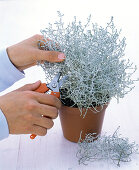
[51, 56]
[30, 87]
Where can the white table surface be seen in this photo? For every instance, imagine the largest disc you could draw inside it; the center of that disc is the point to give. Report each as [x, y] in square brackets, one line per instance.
[23, 18]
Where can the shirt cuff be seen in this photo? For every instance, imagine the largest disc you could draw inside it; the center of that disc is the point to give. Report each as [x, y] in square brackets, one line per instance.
[4, 130]
[9, 74]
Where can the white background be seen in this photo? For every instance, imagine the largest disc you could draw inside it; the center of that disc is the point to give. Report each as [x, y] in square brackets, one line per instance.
[20, 19]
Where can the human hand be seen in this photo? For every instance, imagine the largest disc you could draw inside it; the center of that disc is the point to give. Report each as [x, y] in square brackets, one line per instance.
[26, 53]
[23, 109]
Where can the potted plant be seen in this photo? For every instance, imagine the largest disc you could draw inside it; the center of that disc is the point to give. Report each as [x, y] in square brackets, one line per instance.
[96, 68]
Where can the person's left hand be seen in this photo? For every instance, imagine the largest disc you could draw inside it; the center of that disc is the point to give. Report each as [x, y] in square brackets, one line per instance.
[26, 53]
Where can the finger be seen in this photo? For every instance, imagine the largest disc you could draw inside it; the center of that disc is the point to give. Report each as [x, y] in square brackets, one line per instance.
[39, 37]
[46, 110]
[47, 99]
[31, 87]
[38, 130]
[44, 122]
[50, 56]
[43, 44]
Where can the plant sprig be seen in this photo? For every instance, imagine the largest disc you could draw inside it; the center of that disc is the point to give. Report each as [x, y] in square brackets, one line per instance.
[113, 148]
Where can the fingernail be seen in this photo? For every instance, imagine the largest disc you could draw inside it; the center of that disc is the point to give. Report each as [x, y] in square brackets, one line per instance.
[61, 56]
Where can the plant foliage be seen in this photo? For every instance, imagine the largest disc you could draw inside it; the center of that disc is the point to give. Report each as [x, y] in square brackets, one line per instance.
[95, 63]
[113, 148]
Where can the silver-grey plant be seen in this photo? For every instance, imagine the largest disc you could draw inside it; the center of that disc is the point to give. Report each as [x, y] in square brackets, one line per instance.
[113, 148]
[95, 61]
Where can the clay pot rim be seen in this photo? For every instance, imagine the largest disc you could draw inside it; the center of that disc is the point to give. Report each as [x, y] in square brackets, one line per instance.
[106, 104]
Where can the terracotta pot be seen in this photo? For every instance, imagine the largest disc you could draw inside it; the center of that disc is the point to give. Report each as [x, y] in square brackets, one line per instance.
[72, 123]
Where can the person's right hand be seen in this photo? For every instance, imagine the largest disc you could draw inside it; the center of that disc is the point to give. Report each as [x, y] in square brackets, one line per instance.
[23, 109]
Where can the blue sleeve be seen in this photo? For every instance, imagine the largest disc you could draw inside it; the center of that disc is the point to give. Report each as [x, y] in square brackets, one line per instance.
[4, 130]
[9, 74]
